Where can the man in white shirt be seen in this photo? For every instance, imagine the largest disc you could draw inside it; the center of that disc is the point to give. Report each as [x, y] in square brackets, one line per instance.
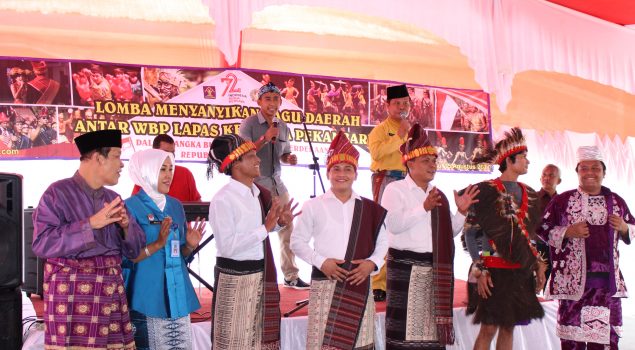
[242, 214]
[349, 243]
[419, 264]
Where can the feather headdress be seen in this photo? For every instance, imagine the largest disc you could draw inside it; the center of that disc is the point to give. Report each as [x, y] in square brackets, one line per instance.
[513, 143]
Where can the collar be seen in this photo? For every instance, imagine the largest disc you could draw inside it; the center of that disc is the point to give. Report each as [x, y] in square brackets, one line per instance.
[261, 118]
[242, 189]
[413, 185]
[92, 193]
[330, 195]
[543, 193]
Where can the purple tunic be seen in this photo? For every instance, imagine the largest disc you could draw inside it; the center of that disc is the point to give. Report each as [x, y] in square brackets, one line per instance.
[586, 277]
[62, 229]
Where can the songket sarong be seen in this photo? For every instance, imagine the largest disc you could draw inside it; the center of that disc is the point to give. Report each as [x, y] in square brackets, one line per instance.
[85, 305]
[245, 311]
[595, 318]
[410, 317]
[320, 304]
[154, 333]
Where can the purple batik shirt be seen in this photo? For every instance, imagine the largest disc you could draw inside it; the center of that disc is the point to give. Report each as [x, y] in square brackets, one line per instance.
[573, 258]
[62, 228]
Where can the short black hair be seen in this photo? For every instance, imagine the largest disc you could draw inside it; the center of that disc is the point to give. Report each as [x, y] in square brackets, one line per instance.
[162, 138]
[503, 165]
[102, 150]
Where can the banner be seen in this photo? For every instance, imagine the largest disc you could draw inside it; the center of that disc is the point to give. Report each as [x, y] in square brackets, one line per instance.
[45, 104]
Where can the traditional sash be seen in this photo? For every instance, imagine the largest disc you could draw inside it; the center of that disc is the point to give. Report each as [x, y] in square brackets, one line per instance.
[349, 302]
[47, 87]
[443, 270]
[271, 293]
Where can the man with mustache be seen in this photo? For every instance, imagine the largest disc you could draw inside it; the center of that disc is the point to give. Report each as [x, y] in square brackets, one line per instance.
[82, 229]
[583, 228]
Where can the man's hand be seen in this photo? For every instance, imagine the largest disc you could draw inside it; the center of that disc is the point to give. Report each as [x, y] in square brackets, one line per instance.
[484, 283]
[404, 127]
[618, 224]
[289, 158]
[271, 133]
[541, 279]
[287, 215]
[110, 213]
[332, 271]
[577, 230]
[468, 198]
[433, 200]
[273, 215]
[361, 272]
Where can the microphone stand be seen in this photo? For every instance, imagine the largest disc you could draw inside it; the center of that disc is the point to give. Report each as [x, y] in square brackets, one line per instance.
[316, 170]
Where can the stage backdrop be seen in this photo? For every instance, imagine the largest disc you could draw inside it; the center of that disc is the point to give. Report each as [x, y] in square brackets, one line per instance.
[45, 104]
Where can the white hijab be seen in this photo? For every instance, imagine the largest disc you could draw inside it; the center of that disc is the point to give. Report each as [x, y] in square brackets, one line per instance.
[144, 168]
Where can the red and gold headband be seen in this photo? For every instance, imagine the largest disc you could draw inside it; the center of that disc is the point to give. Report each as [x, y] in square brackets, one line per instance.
[418, 152]
[341, 158]
[514, 150]
[237, 153]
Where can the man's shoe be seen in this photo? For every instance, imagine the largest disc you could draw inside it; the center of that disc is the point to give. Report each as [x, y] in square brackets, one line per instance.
[296, 284]
[379, 295]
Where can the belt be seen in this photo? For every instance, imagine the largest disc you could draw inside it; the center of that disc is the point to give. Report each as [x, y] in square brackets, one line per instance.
[397, 174]
[497, 262]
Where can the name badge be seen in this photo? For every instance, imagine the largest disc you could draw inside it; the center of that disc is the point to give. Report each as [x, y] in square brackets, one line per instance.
[175, 249]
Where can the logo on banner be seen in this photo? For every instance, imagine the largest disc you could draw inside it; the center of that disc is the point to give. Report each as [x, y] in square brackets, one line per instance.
[209, 92]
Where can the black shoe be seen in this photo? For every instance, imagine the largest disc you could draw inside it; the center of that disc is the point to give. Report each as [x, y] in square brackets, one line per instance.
[296, 284]
[379, 295]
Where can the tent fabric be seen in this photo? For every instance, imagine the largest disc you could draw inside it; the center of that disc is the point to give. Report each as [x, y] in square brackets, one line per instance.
[500, 38]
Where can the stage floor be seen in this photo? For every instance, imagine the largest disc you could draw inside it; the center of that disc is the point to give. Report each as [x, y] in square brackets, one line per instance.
[288, 298]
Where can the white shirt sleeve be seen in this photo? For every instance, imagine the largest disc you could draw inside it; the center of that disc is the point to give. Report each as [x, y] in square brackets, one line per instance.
[301, 236]
[381, 248]
[458, 220]
[223, 220]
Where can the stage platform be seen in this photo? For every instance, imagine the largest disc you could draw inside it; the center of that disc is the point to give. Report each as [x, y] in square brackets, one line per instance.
[537, 335]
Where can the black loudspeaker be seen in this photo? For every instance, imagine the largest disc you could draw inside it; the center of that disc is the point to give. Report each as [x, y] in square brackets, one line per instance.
[11, 319]
[33, 266]
[10, 231]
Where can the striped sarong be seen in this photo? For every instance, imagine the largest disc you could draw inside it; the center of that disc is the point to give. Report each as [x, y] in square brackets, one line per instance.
[85, 305]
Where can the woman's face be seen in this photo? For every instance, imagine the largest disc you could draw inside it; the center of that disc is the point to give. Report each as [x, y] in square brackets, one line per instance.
[165, 176]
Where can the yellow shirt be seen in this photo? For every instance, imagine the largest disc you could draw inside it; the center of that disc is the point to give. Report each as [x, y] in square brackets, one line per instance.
[384, 143]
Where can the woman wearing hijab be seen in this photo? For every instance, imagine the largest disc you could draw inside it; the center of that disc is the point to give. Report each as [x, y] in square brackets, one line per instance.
[158, 287]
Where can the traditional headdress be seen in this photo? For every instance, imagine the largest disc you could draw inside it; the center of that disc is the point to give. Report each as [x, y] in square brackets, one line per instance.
[341, 151]
[269, 87]
[397, 91]
[512, 143]
[98, 139]
[171, 76]
[416, 145]
[589, 153]
[225, 150]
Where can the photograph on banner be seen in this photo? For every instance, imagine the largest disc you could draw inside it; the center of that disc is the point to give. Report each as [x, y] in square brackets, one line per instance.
[462, 110]
[343, 96]
[164, 84]
[35, 82]
[290, 85]
[25, 127]
[456, 150]
[105, 82]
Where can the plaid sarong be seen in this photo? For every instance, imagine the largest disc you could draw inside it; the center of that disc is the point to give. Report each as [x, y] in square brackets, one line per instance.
[85, 304]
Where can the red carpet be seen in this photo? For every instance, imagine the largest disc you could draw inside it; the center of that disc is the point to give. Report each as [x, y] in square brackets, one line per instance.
[288, 297]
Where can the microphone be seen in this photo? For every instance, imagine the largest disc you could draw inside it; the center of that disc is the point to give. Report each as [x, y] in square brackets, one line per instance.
[274, 122]
[403, 115]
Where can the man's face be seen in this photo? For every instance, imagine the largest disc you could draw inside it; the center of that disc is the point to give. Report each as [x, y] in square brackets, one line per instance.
[423, 168]
[590, 175]
[342, 176]
[248, 166]
[97, 78]
[269, 103]
[549, 178]
[521, 166]
[166, 146]
[398, 105]
[110, 167]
